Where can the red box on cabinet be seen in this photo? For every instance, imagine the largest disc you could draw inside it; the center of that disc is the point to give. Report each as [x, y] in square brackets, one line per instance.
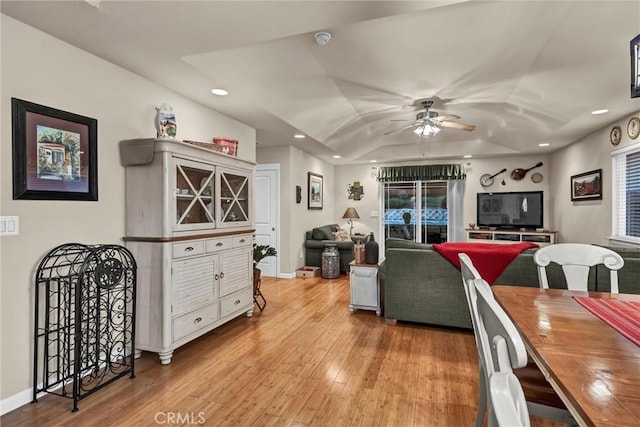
[229, 146]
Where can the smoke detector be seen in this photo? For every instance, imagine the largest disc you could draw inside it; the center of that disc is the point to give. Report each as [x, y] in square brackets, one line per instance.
[322, 37]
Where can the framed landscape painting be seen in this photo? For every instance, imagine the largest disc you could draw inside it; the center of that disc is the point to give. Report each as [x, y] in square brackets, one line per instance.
[587, 186]
[55, 153]
[314, 191]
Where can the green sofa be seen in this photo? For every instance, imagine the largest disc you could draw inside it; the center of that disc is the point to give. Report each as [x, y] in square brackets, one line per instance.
[315, 241]
[421, 286]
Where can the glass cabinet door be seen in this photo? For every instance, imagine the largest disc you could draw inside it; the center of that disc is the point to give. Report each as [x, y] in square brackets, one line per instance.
[194, 191]
[234, 197]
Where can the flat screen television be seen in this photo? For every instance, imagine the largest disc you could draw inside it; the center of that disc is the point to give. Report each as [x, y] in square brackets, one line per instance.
[513, 210]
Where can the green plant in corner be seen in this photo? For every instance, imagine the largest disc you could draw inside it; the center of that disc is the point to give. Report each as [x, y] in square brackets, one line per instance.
[261, 252]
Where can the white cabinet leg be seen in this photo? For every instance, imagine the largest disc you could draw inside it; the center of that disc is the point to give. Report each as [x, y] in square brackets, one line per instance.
[165, 357]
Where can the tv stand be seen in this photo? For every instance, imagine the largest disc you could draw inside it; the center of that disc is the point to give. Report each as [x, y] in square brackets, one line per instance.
[543, 238]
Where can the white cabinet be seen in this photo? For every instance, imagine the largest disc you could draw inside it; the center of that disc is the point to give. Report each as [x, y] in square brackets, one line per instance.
[189, 226]
[365, 287]
[542, 238]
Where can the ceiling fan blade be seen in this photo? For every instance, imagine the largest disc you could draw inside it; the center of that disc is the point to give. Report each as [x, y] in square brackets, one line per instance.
[401, 120]
[447, 117]
[399, 129]
[460, 126]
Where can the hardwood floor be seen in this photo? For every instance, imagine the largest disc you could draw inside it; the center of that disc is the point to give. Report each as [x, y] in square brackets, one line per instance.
[303, 361]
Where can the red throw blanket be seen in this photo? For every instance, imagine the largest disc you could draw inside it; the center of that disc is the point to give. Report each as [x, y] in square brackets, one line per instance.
[490, 259]
[623, 316]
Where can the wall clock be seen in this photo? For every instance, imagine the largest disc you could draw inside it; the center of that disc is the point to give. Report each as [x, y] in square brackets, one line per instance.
[633, 127]
[615, 136]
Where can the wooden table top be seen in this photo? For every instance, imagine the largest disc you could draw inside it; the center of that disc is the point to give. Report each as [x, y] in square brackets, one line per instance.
[592, 367]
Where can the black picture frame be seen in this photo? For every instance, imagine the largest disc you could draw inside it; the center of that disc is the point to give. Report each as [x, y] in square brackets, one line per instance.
[586, 186]
[635, 66]
[314, 191]
[55, 154]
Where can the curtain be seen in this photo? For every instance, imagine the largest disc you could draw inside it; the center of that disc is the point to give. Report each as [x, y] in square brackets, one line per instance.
[421, 173]
[455, 196]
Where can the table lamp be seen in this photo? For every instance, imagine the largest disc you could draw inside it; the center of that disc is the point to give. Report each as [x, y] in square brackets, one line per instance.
[350, 214]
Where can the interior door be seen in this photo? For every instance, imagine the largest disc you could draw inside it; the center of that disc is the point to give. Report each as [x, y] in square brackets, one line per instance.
[266, 202]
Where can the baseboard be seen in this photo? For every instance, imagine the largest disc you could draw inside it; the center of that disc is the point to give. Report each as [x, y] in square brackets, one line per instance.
[17, 400]
[287, 275]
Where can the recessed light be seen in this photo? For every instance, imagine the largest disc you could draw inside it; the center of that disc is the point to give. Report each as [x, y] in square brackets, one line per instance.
[468, 156]
[372, 161]
[602, 111]
[219, 92]
[337, 156]
[298, 136]
[544, 144]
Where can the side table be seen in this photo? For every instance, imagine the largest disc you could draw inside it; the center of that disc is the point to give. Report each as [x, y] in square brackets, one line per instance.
[365, 287]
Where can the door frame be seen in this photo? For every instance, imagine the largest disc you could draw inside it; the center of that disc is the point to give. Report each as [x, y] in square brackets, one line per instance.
[274, 167]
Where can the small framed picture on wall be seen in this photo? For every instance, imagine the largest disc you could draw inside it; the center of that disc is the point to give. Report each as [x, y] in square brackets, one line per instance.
[315, 184]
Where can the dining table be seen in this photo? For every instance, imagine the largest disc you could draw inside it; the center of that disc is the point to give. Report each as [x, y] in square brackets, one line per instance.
[594, 368]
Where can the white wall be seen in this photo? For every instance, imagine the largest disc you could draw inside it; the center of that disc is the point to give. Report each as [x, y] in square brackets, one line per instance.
[41, 69]
[585, 221]
[296, 219]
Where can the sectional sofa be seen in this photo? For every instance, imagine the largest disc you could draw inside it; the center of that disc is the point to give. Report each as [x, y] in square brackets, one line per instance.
[420, 285]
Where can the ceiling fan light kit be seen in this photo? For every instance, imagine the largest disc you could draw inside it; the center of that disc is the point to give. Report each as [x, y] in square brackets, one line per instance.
[430, 123]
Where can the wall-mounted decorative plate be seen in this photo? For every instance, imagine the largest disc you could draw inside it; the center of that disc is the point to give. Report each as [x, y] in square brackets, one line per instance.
[633, 127]
[615, 136]
[537, 177]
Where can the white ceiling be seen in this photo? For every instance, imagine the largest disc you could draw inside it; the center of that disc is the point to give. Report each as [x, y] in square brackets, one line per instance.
[523, 72]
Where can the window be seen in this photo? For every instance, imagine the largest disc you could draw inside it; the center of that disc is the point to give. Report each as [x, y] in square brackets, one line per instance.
[626, 194]
[405, 202]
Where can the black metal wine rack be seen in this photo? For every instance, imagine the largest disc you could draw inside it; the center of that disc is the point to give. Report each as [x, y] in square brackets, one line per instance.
[84, 329]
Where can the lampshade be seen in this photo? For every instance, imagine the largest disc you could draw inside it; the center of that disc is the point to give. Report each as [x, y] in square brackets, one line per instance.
[350, 213]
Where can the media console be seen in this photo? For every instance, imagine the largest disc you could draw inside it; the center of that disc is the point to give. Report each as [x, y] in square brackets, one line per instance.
[543, 238]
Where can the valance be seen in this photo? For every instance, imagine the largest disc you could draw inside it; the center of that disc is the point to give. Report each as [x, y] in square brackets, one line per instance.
[421, 173]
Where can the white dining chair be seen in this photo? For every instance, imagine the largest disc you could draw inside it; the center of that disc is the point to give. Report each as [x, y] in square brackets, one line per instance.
[576, 259]
[509, 406]
[541, 398]
[507, 353]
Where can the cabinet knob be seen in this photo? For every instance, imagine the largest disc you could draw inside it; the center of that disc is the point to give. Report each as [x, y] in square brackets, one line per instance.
[188, 249]
[217, 277]
[242, 240]
[219, 244]
[237, 302]
[221, 275]
[197, 320]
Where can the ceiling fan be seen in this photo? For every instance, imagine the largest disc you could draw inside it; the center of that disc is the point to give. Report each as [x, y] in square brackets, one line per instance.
[429, 123]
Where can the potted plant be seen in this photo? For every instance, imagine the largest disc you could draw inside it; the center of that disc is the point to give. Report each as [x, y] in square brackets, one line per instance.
[260, 252]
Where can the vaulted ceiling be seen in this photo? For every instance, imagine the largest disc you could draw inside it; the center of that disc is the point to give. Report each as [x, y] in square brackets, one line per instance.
[522, 72]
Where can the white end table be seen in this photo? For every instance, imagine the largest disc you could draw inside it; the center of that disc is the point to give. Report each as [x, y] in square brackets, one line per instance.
[365, 287]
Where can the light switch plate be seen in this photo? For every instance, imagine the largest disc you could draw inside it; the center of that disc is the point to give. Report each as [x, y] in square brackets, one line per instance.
[374, 214]
[9, 226]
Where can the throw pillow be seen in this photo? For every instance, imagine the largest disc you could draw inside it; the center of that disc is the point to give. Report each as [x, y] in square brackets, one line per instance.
[341, 235]
[323, 233]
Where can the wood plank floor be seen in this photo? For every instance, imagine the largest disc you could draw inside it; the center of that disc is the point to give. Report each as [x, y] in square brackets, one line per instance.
[303, 361]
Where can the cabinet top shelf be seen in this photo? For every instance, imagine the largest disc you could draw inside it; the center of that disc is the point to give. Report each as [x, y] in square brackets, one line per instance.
[141, 151]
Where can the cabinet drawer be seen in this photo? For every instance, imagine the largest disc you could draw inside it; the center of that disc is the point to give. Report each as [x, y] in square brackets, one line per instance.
[243, 240]
[233, 302]
[219, 244]
[191, 322]
[180, 250]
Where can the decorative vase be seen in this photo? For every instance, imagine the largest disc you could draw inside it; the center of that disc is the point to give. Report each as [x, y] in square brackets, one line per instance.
[371, 250]
[165, 121]
[330, 261]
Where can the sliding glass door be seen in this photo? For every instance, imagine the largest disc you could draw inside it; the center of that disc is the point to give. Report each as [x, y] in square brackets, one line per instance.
[416, 211]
